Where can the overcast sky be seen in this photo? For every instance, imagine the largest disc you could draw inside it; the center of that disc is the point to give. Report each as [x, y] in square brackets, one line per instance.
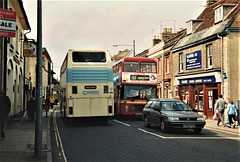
[80, 24]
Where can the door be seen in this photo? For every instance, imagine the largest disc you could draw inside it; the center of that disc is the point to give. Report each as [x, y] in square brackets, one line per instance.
[210, 104]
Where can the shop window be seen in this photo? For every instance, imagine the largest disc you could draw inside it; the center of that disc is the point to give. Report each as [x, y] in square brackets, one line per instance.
[209, 56]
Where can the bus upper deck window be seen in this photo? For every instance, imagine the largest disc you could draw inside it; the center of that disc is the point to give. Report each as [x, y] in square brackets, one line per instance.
[74, 89]
[131, 66]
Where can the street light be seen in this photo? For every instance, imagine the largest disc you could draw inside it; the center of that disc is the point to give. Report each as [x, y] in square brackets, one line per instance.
[133, 45]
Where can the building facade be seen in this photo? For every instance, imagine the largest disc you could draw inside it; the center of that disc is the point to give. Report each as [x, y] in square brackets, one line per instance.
[12, 49]
[206, 61]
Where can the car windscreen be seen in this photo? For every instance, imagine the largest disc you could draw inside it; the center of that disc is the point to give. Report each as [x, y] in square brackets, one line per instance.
[174, 106]
[89, 57]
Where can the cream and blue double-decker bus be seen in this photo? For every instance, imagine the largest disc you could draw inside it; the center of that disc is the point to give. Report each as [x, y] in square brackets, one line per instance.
[87, 84]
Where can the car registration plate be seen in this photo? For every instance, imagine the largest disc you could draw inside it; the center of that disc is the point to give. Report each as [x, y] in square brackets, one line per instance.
[189, 126]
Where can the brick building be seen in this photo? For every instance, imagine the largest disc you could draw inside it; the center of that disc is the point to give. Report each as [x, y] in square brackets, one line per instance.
[206, 61]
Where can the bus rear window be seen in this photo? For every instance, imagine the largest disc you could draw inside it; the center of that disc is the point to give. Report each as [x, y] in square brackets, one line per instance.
[131, 66]
[89, 57]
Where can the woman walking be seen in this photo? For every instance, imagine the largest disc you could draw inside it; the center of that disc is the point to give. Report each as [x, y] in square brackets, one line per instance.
[231, 112]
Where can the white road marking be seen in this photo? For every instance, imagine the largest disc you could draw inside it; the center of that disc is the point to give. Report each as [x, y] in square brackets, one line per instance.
[199, 138]
[122, 123]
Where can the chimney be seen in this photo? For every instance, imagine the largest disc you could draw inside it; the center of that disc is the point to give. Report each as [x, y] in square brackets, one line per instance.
[156, 40]
[211, 2]
[169, 30]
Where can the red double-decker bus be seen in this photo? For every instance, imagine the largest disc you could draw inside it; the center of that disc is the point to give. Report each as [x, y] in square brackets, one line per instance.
[135, 82]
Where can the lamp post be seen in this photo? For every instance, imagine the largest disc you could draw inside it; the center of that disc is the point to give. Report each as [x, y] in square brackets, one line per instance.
[133, 45]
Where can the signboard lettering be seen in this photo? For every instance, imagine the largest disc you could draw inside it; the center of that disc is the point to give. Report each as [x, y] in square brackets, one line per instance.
[197, 81]
[194, 60]
[7, 23]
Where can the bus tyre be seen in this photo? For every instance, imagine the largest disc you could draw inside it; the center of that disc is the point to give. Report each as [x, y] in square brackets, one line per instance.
[146, 123]
[162, 126]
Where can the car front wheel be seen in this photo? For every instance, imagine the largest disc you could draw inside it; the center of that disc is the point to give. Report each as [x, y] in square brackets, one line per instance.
[162, 126]
[146, 123]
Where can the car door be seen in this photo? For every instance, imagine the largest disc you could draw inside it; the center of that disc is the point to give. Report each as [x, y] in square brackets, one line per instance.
[156, 112]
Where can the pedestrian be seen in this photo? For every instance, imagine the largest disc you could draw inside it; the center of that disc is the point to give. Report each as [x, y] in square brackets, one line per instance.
[52, 99]
[31, 108]
[43, 102]
[4, 112]
[231, 112]
[219, 108]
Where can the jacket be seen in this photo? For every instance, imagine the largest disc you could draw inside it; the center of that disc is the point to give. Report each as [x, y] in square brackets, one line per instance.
[231, 109]
[5, 106]
[220, 104]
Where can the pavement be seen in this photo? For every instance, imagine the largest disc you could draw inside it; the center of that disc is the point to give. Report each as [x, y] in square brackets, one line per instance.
[20, 138]
[18, 145]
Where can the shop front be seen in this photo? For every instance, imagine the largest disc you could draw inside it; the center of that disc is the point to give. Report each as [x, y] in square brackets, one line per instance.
[200, 93]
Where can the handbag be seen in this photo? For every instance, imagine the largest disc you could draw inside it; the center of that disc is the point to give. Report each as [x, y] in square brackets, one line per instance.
[215, 116]
[226, 120]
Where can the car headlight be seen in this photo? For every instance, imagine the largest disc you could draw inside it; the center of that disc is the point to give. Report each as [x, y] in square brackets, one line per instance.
[200, 119]
[173, 118]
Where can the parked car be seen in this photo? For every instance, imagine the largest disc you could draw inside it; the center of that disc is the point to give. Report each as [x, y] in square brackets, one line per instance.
[172, 113]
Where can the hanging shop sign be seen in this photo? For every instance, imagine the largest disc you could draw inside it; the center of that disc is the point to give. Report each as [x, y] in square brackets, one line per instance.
[194, 60]
[7, 23]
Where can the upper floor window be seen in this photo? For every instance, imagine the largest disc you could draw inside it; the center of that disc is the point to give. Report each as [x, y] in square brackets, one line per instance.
[189, 27]
[219, 14]
[148, 67]
[209, 55]
[167, 64]
[159, 67]
[180, 62]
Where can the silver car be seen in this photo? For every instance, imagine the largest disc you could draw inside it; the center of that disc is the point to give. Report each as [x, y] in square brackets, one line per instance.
[172, 113]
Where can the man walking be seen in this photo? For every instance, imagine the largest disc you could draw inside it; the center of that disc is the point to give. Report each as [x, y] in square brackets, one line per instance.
[219, 107]
[4, 112]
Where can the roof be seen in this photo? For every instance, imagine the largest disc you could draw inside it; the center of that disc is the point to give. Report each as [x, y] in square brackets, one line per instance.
[208, 14]
[202, 36]
[208, 30]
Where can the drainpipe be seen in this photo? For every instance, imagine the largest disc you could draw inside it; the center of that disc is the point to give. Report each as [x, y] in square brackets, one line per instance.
[222, 89]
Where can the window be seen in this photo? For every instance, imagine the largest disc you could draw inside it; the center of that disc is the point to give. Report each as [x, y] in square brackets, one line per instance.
[159, 67]
[74, 89]
[89, 57]
[219, 14]
[155, 104]
[167, 64]
[189, 27]
[180, 62]
[149, 67]
[209, 55]
[131, 66]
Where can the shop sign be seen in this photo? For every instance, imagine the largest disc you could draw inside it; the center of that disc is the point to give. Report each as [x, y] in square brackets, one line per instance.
[194, 60]
[197, 81]
[7, 23]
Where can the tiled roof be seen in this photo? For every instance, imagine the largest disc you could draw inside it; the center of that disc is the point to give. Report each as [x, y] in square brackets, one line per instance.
[208, 14]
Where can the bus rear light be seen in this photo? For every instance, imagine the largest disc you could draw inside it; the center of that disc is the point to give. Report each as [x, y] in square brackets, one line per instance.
[110, 109]
[70, 110]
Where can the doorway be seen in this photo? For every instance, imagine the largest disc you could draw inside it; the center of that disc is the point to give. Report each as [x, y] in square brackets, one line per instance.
[212, 96]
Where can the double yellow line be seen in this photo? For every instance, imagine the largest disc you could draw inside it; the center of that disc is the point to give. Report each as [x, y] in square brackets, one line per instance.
[58, 137]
